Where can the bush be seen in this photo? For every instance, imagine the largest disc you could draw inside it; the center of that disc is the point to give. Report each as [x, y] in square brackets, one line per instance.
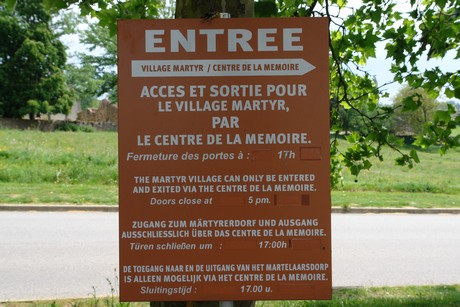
[68, 126]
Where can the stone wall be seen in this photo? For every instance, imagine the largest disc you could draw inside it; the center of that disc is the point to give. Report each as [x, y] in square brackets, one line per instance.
[104, 118]
[49, 125]
[26, 124]
[106, 113]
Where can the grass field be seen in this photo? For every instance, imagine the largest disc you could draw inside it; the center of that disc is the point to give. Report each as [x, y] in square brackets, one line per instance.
[58, 167]
[81, 168]
[424, 296]
[434, 182]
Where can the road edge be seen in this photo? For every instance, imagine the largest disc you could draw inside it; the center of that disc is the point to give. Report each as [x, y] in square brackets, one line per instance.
[114, 208]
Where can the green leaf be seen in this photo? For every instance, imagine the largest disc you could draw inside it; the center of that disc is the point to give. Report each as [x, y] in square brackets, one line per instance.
[441, 3]
[10, 4]
[367, 164]
[442, 116]
[289, 3]
[353, 138]
[86, 9]
[355, 169]
[457, 92]
[451, 108]
[456, 140]
[345, 105]
[449, 93]
[341, 3]
[400, 161]
[55, 4]
[414, 156]
[412, 102]
[423, 141]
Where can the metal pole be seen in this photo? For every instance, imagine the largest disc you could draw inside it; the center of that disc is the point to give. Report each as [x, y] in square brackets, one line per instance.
[226, 304]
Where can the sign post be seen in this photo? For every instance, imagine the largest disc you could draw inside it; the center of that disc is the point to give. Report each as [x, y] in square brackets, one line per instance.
[224, 160]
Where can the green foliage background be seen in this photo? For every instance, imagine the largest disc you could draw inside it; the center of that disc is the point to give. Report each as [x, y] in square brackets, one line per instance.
[32, 60]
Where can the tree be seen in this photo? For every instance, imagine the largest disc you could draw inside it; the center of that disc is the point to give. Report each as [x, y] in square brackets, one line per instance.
[95, 74]
[90, 74]
[83, 80]
[411, 35]
[414, 108]
[31, 63]
[348, 120]
[104, 60]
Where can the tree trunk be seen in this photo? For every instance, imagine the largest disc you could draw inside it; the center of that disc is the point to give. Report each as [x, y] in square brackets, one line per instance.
[198, 9]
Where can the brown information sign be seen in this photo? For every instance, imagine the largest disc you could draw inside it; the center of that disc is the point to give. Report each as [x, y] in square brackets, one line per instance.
[224, 159]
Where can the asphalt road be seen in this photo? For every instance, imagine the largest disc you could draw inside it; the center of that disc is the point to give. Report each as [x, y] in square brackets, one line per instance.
[49, 255]
[57, 254]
